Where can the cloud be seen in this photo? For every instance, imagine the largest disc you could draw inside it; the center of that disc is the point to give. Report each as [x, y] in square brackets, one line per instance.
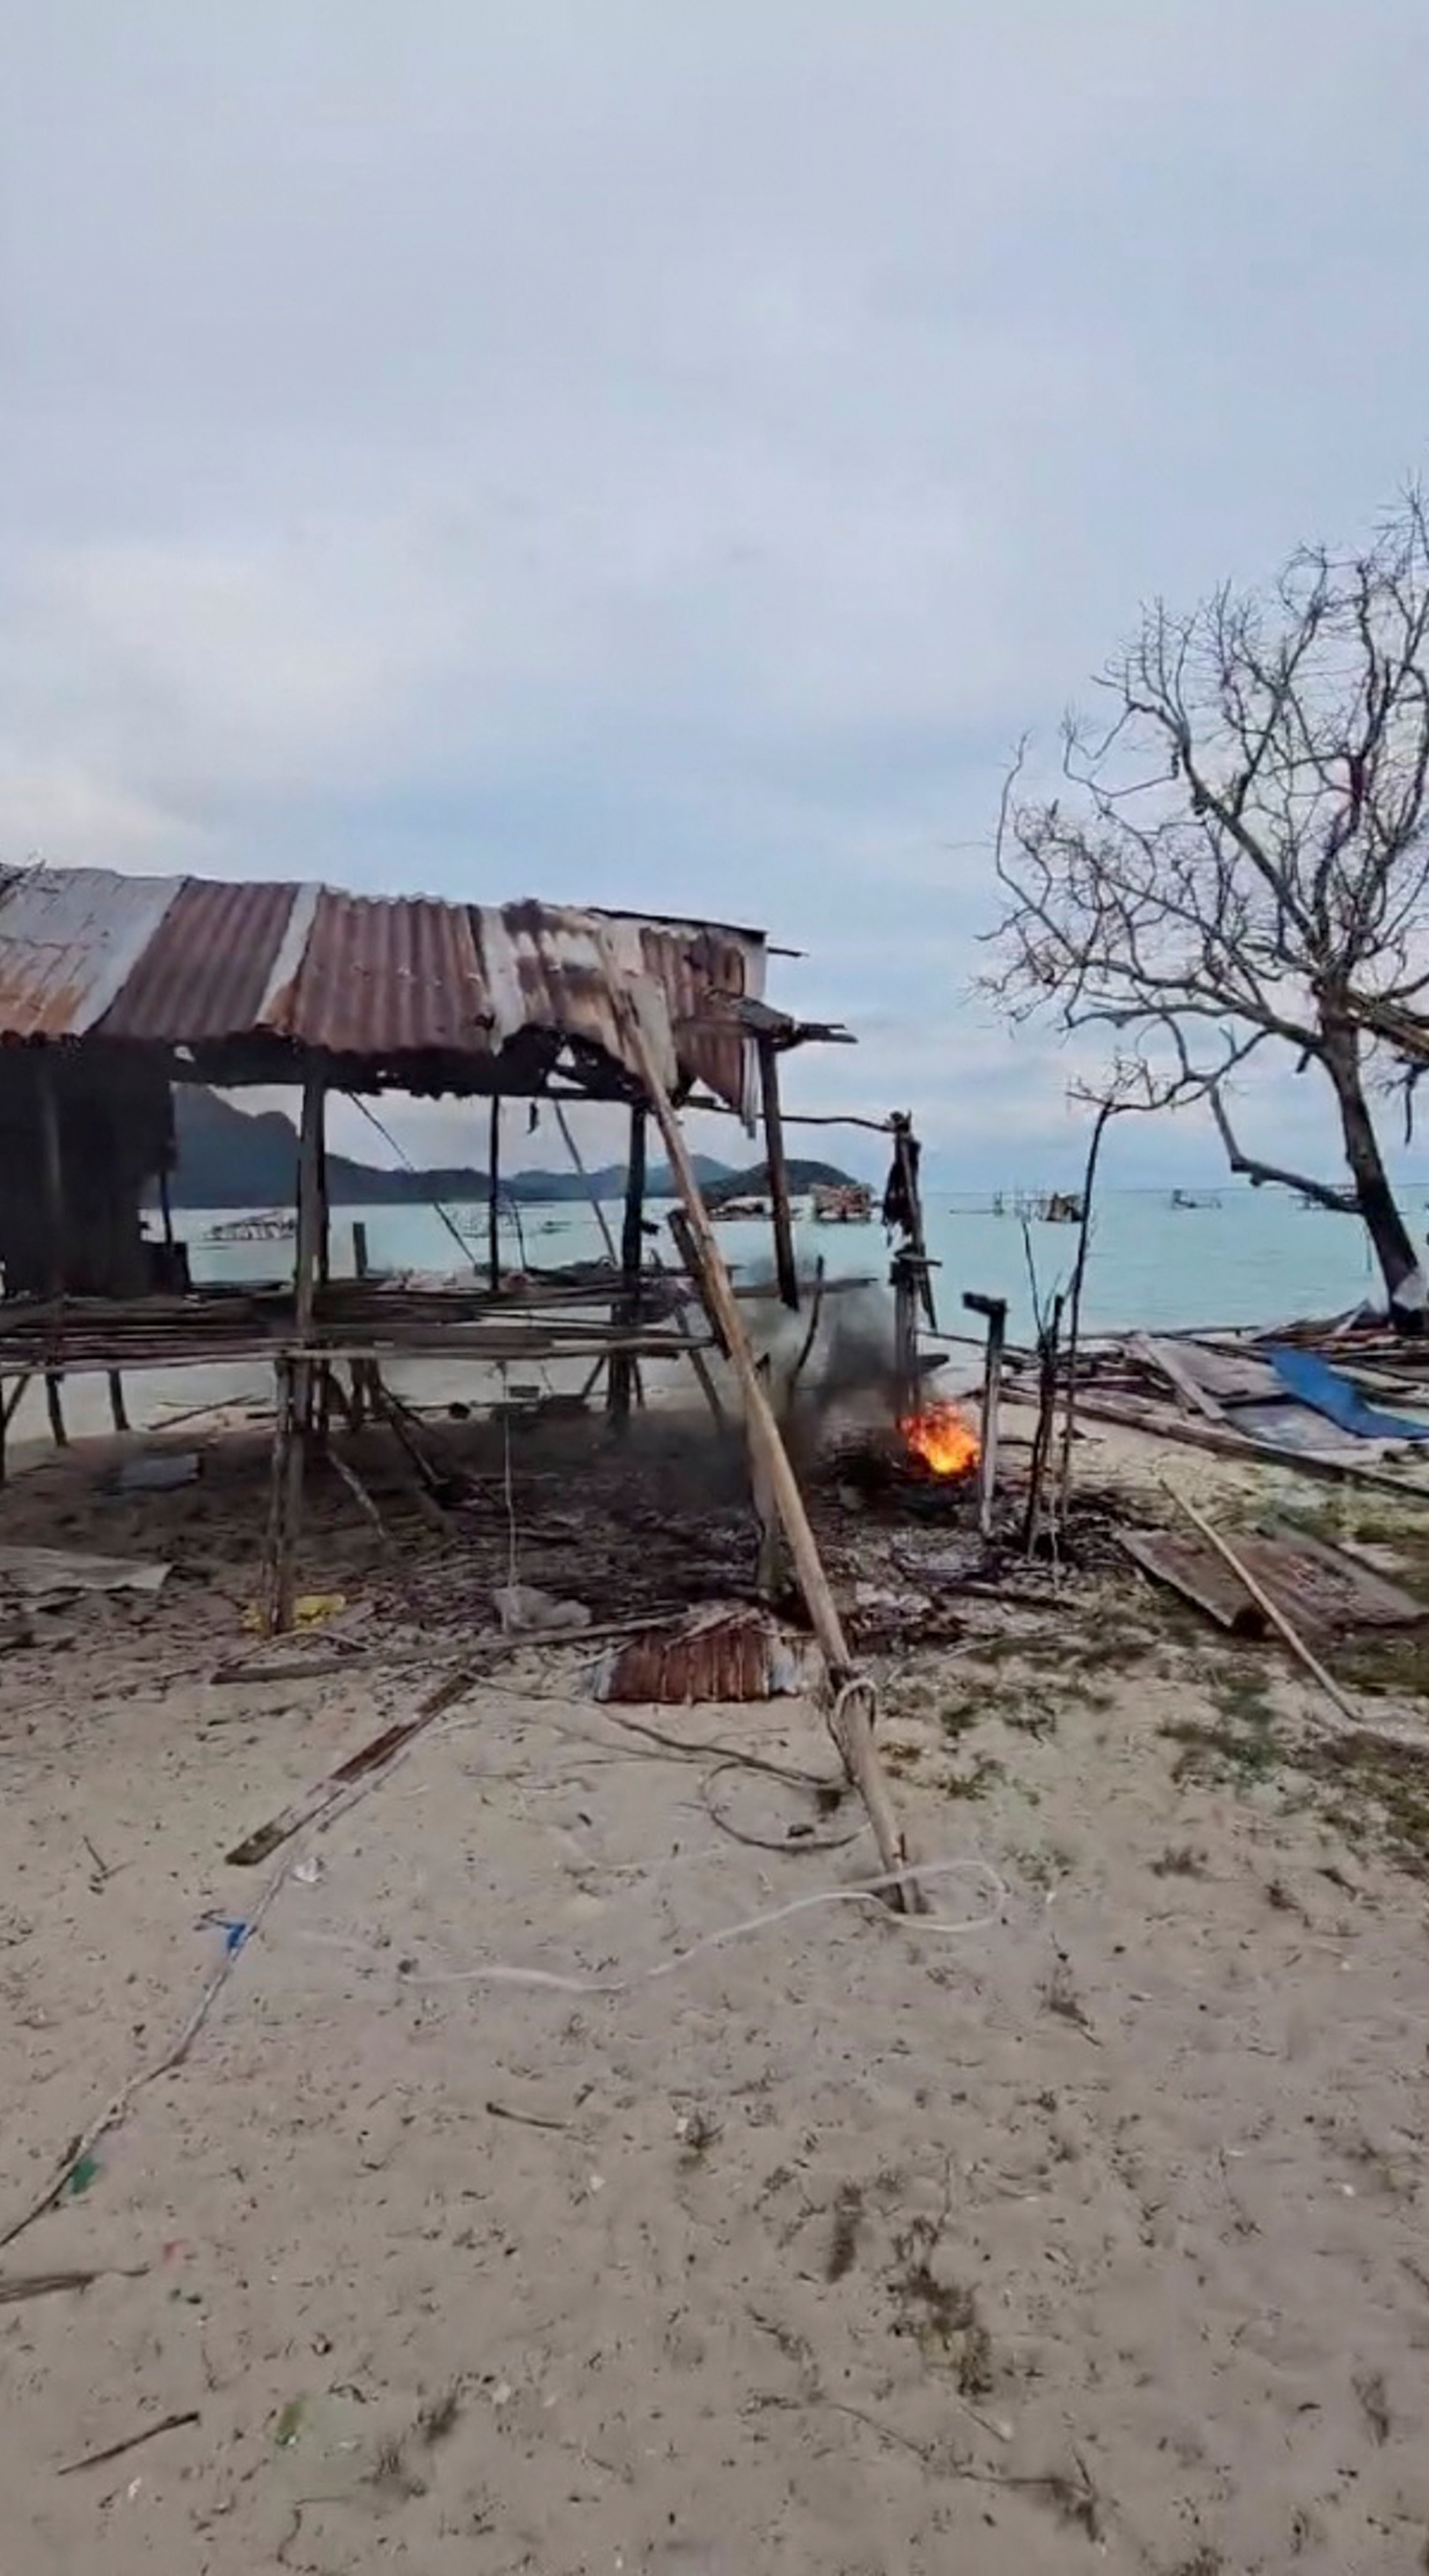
[666, 455]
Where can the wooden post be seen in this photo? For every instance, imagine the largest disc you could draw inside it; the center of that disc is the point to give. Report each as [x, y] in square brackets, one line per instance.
[626, 1310]
[850, 1718]
[116, 1401]
[295, 1379]
[52, 1175]
[785, 1266]
[166, 1212]
[905, 1334]
[995, 1310]
[493, 1190]
[1107, 1110]
[357, 1410]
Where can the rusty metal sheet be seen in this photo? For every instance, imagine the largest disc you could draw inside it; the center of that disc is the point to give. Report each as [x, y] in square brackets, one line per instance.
[205, 974]
[390, 978]
[1316, 1586]
[189, 962]
[724, 1652]
[69, 939]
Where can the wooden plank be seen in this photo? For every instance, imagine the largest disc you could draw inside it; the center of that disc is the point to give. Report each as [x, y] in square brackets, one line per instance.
[1172, 1365]
[1311, 1583]
[1194, 1571]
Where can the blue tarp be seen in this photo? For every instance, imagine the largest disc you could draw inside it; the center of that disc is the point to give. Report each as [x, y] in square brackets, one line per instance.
[1307, 1378]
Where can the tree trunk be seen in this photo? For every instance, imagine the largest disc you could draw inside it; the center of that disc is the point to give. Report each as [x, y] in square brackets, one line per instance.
[1399, 1262]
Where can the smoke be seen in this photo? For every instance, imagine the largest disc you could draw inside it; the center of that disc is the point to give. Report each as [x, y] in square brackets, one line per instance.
[849, 1375]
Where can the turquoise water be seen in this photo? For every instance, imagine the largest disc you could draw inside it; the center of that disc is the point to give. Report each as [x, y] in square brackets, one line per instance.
[1257, 1257]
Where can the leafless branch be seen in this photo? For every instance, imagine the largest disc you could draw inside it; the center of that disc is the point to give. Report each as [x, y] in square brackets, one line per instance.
[1240, 855]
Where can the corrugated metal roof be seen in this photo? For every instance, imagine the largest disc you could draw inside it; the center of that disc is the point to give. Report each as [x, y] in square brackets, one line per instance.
[190, 962]
[69, 940]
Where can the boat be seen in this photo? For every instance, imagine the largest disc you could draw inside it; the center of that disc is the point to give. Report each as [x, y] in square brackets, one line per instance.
[1183, 1199]
[731, 1211]
[841, 1203]
[278, 1225]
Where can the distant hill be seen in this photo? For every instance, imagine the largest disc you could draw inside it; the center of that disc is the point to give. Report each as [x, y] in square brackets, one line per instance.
[242, 1158]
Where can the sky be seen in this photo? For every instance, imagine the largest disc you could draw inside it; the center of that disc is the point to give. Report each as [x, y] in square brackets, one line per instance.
[665, 452]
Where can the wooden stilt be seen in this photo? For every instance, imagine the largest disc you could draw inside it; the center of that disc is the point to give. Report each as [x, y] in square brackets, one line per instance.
[295, 1372]
[850, 1717]
[116, 1401]
[632, 1247]
[361, 1381]
[52, 1173]
[55, 1407]
[905, 1334]
[166, 1213]
[493, 1192]
[785, 1266]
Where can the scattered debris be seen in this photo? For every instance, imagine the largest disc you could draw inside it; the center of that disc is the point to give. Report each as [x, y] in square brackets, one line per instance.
[43, 2285]
[44, 1574]
[524, 1609]
[290, 2423]
[131, 2442]
[720, 1651]
[157, 1471]
[1314, 1583]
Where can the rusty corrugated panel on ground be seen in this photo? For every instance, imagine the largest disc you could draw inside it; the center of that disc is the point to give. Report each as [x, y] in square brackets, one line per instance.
[69, 939]
[205, 973]
[388, 978]
[1316, 1586]
[725, 1652]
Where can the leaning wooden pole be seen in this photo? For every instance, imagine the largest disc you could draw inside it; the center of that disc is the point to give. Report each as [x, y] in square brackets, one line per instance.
[850, 1717]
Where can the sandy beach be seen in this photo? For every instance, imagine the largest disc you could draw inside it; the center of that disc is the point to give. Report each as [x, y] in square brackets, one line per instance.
[501, 2217]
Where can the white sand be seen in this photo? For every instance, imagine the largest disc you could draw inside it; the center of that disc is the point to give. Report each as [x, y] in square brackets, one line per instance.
[1156, 2138]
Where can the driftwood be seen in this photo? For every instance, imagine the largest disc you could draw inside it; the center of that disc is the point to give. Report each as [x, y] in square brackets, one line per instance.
[131, 2442]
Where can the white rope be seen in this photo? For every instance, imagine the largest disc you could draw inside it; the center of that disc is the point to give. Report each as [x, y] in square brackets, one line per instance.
[868, 1891]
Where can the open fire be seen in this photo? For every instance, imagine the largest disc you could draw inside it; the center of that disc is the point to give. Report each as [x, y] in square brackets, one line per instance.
[943, 1439]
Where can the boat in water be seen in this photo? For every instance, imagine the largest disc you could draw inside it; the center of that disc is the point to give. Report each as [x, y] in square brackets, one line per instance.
[841, 1203]
[277, 1225]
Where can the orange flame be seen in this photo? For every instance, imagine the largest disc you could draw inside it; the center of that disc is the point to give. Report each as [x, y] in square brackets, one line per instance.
[942, 1439]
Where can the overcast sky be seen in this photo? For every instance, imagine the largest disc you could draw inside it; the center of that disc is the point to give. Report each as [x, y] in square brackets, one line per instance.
[664, 452]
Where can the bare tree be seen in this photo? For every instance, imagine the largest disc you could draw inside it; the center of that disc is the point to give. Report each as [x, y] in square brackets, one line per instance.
[1245, 860]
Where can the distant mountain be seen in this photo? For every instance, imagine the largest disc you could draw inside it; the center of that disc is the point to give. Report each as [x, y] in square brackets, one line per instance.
[242, 1158]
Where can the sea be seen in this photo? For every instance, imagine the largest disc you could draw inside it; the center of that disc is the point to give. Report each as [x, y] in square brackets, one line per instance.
[1236, 1256]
